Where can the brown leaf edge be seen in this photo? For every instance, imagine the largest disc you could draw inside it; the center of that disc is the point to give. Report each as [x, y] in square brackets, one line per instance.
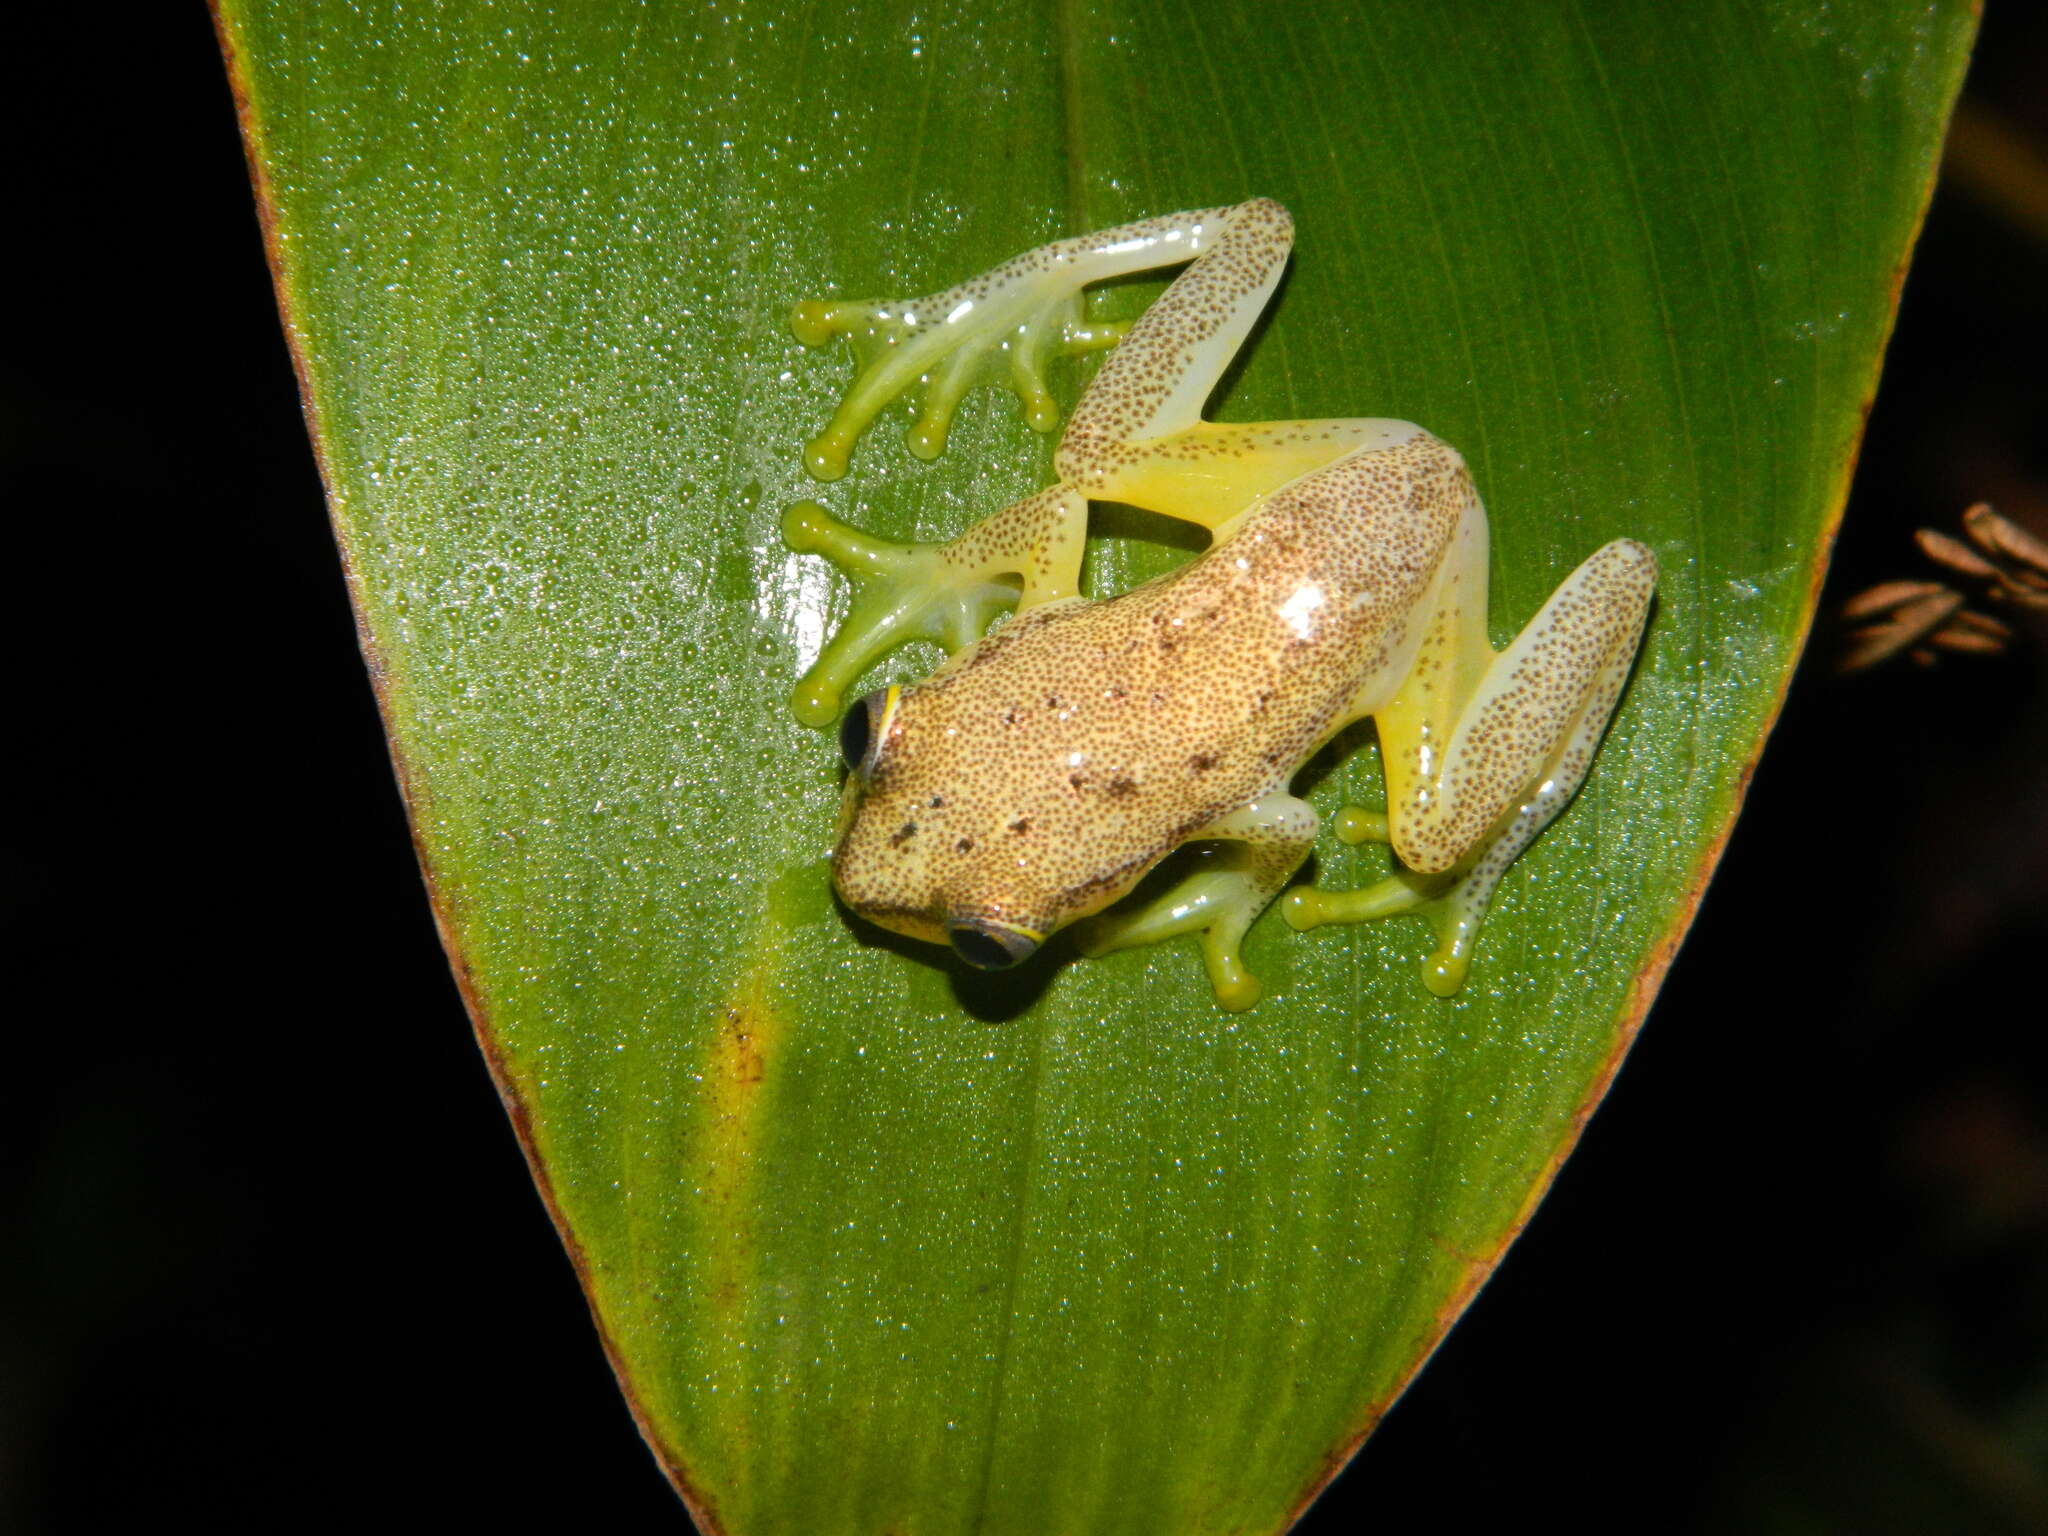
[1479, 1268]
[412, 791]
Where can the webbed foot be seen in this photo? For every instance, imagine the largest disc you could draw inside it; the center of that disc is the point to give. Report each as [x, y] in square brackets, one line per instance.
[1454, 905]
[1026, 554]
[1222, 896]
[1218, 901]
[999, 328]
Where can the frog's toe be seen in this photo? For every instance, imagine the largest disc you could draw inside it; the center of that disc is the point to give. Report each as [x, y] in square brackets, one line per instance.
[931, 351]
[809, 529]
[827, 455]
[1041, 412]
[1218, 901]
[1308, 907]
[1056, 329]
[815, 322]
[1236, 988]
[1444, 973]
[943, 388]
[1304, 909]
[1454, 909]
[1456, 916]
[1354, 824]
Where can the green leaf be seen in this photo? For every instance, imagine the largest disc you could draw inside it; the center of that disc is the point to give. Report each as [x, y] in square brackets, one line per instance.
[875, 1248]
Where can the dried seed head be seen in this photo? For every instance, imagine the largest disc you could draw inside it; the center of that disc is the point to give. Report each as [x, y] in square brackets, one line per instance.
[1887, 595]
[1956, 638]
[1997, 535]
[1954, 553]
[1924, 618]
[1906, 623]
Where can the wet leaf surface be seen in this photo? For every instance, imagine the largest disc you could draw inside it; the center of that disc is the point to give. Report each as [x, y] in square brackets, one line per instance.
[878, 1247]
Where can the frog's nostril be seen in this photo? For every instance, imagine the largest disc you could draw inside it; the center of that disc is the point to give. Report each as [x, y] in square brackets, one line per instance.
[991, 946]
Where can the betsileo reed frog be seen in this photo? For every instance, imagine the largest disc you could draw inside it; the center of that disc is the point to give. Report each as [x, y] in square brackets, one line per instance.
[1042, 771]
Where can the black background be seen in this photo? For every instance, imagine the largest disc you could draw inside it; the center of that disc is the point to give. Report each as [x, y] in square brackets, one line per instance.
[272, 1257]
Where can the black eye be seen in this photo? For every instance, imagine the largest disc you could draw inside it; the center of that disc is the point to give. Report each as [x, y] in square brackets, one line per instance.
[855, 730]
[866, 727]
[989, 946]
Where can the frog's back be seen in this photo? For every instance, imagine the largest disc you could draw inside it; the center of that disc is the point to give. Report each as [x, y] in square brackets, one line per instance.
[1206, 688]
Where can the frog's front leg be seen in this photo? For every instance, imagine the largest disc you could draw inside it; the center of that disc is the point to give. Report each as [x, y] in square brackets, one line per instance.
[999, 327]
[1263, 845]
[1483, 751]
[1025, 555]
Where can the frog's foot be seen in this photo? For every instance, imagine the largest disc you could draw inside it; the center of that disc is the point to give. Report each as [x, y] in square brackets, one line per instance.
[1028, 553]
[1217, 901]
[1221, 897]
[997, 329]
[1454, 904]
[1355, 824]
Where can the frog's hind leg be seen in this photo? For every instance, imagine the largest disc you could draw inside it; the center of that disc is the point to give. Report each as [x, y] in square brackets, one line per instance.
[997, 328]
[1266, 842]
[1026, 555]
[1521, 729]
[1138, 435]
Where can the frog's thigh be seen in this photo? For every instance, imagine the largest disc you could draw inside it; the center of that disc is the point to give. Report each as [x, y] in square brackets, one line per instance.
[1138, 435]
[1520, 743]
[1155, 383]
[1214, 472]
[1027, 554]
[1530, 725]
[1265, 843]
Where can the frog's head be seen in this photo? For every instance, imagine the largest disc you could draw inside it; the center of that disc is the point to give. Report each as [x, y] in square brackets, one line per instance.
[935, 840]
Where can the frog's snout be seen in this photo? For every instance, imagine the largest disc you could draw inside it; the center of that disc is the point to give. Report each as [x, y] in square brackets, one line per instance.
[989, 945]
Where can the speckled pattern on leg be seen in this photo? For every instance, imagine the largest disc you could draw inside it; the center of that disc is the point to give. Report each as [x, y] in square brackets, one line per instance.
[1157, 379]
[1536, 715]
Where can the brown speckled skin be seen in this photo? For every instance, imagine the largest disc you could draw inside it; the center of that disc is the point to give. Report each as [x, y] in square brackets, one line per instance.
[1039, 774]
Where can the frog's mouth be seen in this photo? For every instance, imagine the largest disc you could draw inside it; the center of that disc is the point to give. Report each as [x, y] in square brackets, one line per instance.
[988, 944]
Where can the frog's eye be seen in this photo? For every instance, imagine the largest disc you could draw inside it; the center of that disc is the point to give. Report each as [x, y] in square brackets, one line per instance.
[988, 945]
[854, 731]
[861, 732]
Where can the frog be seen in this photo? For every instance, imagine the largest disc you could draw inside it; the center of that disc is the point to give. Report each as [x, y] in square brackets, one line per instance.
[1069, 747]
